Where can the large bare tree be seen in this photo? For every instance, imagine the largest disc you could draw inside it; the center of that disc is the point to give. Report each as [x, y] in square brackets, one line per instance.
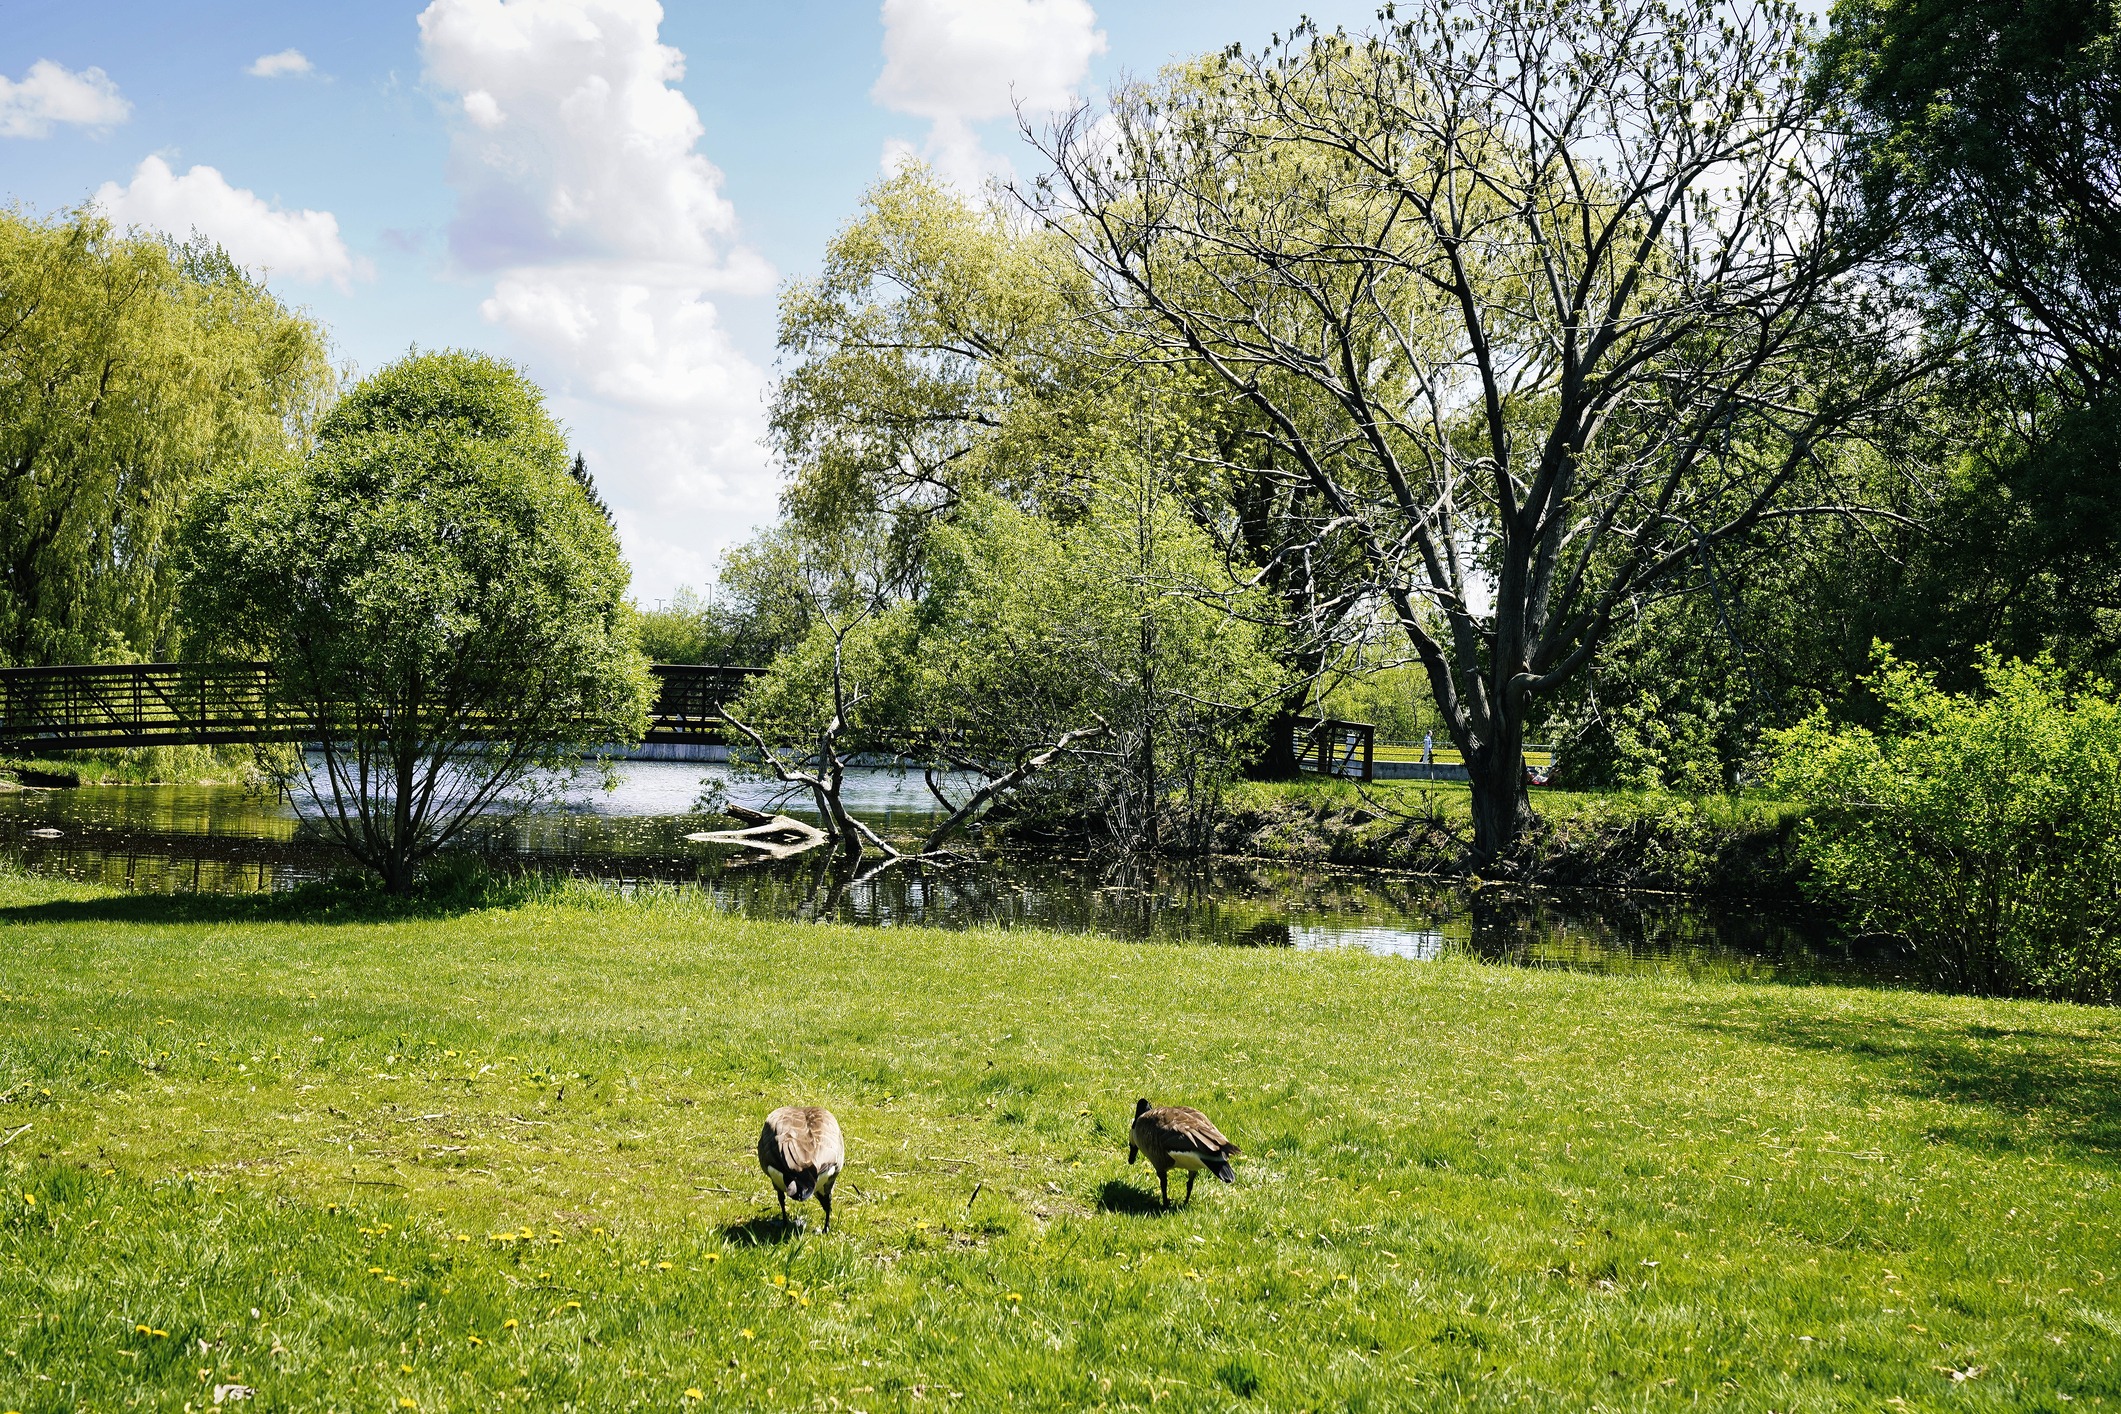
[1537, 300]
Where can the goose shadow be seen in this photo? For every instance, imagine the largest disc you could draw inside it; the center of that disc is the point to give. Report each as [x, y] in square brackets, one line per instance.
[769, 1231]
[1116, 1195]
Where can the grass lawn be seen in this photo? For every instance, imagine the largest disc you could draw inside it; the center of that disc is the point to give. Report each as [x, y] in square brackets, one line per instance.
[504, 1158]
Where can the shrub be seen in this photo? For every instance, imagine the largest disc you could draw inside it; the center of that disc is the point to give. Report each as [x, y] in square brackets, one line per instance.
[1983, 830]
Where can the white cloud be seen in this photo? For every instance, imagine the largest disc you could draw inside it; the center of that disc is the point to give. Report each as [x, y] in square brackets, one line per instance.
[272, 66]
[960, 62]
[581, 193]
[50, 94]
[299, 245]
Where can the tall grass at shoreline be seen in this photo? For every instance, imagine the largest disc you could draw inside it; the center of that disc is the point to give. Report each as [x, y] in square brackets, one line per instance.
[475, 1157]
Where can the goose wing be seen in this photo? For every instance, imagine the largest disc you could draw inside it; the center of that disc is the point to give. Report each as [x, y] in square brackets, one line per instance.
[1181, 1129]
[799, 1138]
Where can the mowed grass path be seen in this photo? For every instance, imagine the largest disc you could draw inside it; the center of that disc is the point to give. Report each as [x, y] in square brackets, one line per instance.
[505, 1158]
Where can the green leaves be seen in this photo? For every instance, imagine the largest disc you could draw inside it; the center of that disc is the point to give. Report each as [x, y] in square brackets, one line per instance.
[131, 371]
[1983, 829]
[434, 584]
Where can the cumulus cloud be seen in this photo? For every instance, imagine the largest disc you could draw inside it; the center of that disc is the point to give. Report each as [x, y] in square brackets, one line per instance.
[272, 66]
[583, 196]
[299, 245]
[960, 62]
[49, 94]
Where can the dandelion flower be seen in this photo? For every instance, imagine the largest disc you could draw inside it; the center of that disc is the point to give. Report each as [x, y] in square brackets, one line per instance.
[408, 1404]
[714, 1256]
[30, 1198]
[474, 1340]
[662, 1266]
[145, 1330]
[694, 1394]
[746, 1334]
[375, 1271]
[779, 1280]
[1015, 1296]
[508, 1325]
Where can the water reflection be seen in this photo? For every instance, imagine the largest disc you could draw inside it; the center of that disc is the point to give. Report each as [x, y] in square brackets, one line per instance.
[218, 839]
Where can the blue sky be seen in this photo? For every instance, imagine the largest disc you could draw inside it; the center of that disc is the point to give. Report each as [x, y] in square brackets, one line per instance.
[605, 191]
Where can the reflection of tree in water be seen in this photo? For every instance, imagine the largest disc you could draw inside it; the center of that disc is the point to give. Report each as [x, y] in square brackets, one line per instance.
[142, 841]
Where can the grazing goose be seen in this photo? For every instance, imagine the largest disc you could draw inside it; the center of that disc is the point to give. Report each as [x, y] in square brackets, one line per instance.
[802, 1152]
[1179, 1136]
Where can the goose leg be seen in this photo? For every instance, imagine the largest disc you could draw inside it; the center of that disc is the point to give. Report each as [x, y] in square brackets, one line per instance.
[784, 1205]
[1190, 1176]
[824, 1200]
[1163, 1179]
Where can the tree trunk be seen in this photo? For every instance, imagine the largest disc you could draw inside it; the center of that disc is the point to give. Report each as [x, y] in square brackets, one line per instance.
[398, 873]
[1276, 759]
[1502, 808]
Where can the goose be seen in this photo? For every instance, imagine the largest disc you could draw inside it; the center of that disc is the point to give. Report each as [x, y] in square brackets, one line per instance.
[1179, 1136]
[801, 1151]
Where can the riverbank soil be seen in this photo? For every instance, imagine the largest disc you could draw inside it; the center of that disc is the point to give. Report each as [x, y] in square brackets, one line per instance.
[438, 1161]
[1725, 846]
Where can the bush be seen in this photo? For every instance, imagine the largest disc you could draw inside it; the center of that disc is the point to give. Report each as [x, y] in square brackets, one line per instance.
[1983, 830]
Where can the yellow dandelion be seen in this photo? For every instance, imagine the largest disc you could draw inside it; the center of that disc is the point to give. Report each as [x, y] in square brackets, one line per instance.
[779, 1280]
[714, 1256]
[746, 1334]
[463, 1237]
[404, 1369]
[474, 1340]
[145, 1330]
[662, 1266]
[1015, 1296]
[574, 1305]
[694, 1394]
[30, 1198]
[375, 1271]
[508, 1325]
[408, 1404]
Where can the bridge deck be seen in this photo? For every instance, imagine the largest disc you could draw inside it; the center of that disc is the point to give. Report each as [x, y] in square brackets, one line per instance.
[94, 706]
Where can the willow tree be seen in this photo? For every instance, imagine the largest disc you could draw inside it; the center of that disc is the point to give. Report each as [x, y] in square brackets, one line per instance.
[130, 369]
[950, 348]
[1548, 299]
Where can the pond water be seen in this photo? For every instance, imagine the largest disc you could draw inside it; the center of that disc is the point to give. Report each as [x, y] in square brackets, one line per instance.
[220, 839]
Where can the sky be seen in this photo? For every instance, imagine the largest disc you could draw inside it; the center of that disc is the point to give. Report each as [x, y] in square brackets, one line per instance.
[607, 192]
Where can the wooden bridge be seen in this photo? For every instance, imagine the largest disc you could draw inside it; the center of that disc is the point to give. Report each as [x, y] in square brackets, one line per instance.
[77, 707]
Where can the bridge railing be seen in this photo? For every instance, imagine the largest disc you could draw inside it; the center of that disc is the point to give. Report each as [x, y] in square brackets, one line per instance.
[99, 706]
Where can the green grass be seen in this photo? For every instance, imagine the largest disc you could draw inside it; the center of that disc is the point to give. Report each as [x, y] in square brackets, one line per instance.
[148, 765]
[503, 1157]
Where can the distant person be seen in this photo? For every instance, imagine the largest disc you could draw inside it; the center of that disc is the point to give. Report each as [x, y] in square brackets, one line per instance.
[1428, 748]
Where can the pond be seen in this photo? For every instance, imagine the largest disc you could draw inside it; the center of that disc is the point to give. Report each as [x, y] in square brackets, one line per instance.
[220, 839]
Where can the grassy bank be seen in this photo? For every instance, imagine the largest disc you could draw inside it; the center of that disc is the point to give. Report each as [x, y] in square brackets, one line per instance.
[146, 765]
[1731, 846]
[503, 1157]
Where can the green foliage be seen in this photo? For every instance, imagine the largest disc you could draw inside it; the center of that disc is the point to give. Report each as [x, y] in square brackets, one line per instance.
[1992, 129]
[130, 371]
[433, 584]
[940, 349]
[685, 630]
[1983, 829]
[1463, 1186]
[1032, 627]
[1396, 700]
